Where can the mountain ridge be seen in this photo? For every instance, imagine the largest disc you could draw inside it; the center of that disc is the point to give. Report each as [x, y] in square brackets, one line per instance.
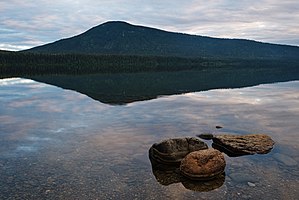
[122, 38]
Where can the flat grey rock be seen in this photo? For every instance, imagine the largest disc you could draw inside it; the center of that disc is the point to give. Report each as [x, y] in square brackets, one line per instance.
[243, 144]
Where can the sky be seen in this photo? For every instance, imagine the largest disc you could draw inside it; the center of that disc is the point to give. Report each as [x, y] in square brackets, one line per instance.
[28, 23]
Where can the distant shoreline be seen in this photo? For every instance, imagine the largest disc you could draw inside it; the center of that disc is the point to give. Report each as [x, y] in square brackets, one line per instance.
[25, 63]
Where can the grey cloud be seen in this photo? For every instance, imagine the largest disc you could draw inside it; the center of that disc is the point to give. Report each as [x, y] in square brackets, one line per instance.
[46, 21]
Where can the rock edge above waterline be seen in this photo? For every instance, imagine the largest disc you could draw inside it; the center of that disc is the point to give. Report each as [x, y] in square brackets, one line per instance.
[241, 144]
[173, 150]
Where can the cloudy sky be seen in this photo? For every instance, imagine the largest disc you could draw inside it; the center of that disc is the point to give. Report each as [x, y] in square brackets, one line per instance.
[28, 23]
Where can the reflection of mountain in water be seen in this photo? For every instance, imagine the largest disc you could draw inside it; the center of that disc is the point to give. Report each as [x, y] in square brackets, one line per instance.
[170, 174]
[129, 87]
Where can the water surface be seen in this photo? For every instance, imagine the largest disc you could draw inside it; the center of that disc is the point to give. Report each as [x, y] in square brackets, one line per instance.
[60, 144]
[123, 88]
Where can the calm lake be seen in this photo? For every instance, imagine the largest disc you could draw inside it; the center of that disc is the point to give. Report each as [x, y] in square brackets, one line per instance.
[61, 144]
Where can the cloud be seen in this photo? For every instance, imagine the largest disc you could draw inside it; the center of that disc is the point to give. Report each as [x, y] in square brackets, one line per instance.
[40, 22]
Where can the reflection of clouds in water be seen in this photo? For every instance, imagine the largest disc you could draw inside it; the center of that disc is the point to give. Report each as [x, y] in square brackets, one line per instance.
[18, 103]
[58, 130]
[257, 95]
[35, 138]
[224, 96]
[24, 144]
[125, 140]
[15, 81]
[7, 119]
[49, 106]
[28, 83]
[188, 112]
[26, 148]
[28, 93]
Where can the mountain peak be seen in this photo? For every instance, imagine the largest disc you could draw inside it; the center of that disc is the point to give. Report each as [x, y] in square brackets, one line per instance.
[115, 23]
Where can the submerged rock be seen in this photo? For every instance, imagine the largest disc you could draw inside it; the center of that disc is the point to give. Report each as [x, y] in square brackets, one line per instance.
[236, 145]
[172, 151]
[204, 164]
[286, 160]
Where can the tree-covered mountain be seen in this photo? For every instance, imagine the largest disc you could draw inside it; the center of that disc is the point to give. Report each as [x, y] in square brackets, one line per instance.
[121, 38]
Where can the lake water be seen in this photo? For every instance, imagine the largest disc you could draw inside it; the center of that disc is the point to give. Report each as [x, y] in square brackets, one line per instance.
[60, 144]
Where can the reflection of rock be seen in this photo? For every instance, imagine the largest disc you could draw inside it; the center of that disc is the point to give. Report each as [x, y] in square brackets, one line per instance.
[174, 150]
[204, 164]
[236, 145]
[167, 174]
[204, 186]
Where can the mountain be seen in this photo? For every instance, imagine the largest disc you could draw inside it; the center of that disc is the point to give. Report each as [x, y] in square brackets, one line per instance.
[121, 38]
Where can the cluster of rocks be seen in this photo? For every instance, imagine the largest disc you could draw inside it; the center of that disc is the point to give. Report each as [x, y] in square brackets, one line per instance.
[191, 157]
[167, 174]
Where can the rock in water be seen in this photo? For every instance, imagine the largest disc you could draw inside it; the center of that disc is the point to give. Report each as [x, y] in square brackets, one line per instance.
[204, 164]
[243, 144]
[167, 174]
[172, 151]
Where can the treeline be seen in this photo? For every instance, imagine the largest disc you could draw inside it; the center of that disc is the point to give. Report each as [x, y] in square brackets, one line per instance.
[21, 63]
[25, 63]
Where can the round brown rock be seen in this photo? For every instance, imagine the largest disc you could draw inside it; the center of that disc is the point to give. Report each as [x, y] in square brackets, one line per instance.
[203, 164]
